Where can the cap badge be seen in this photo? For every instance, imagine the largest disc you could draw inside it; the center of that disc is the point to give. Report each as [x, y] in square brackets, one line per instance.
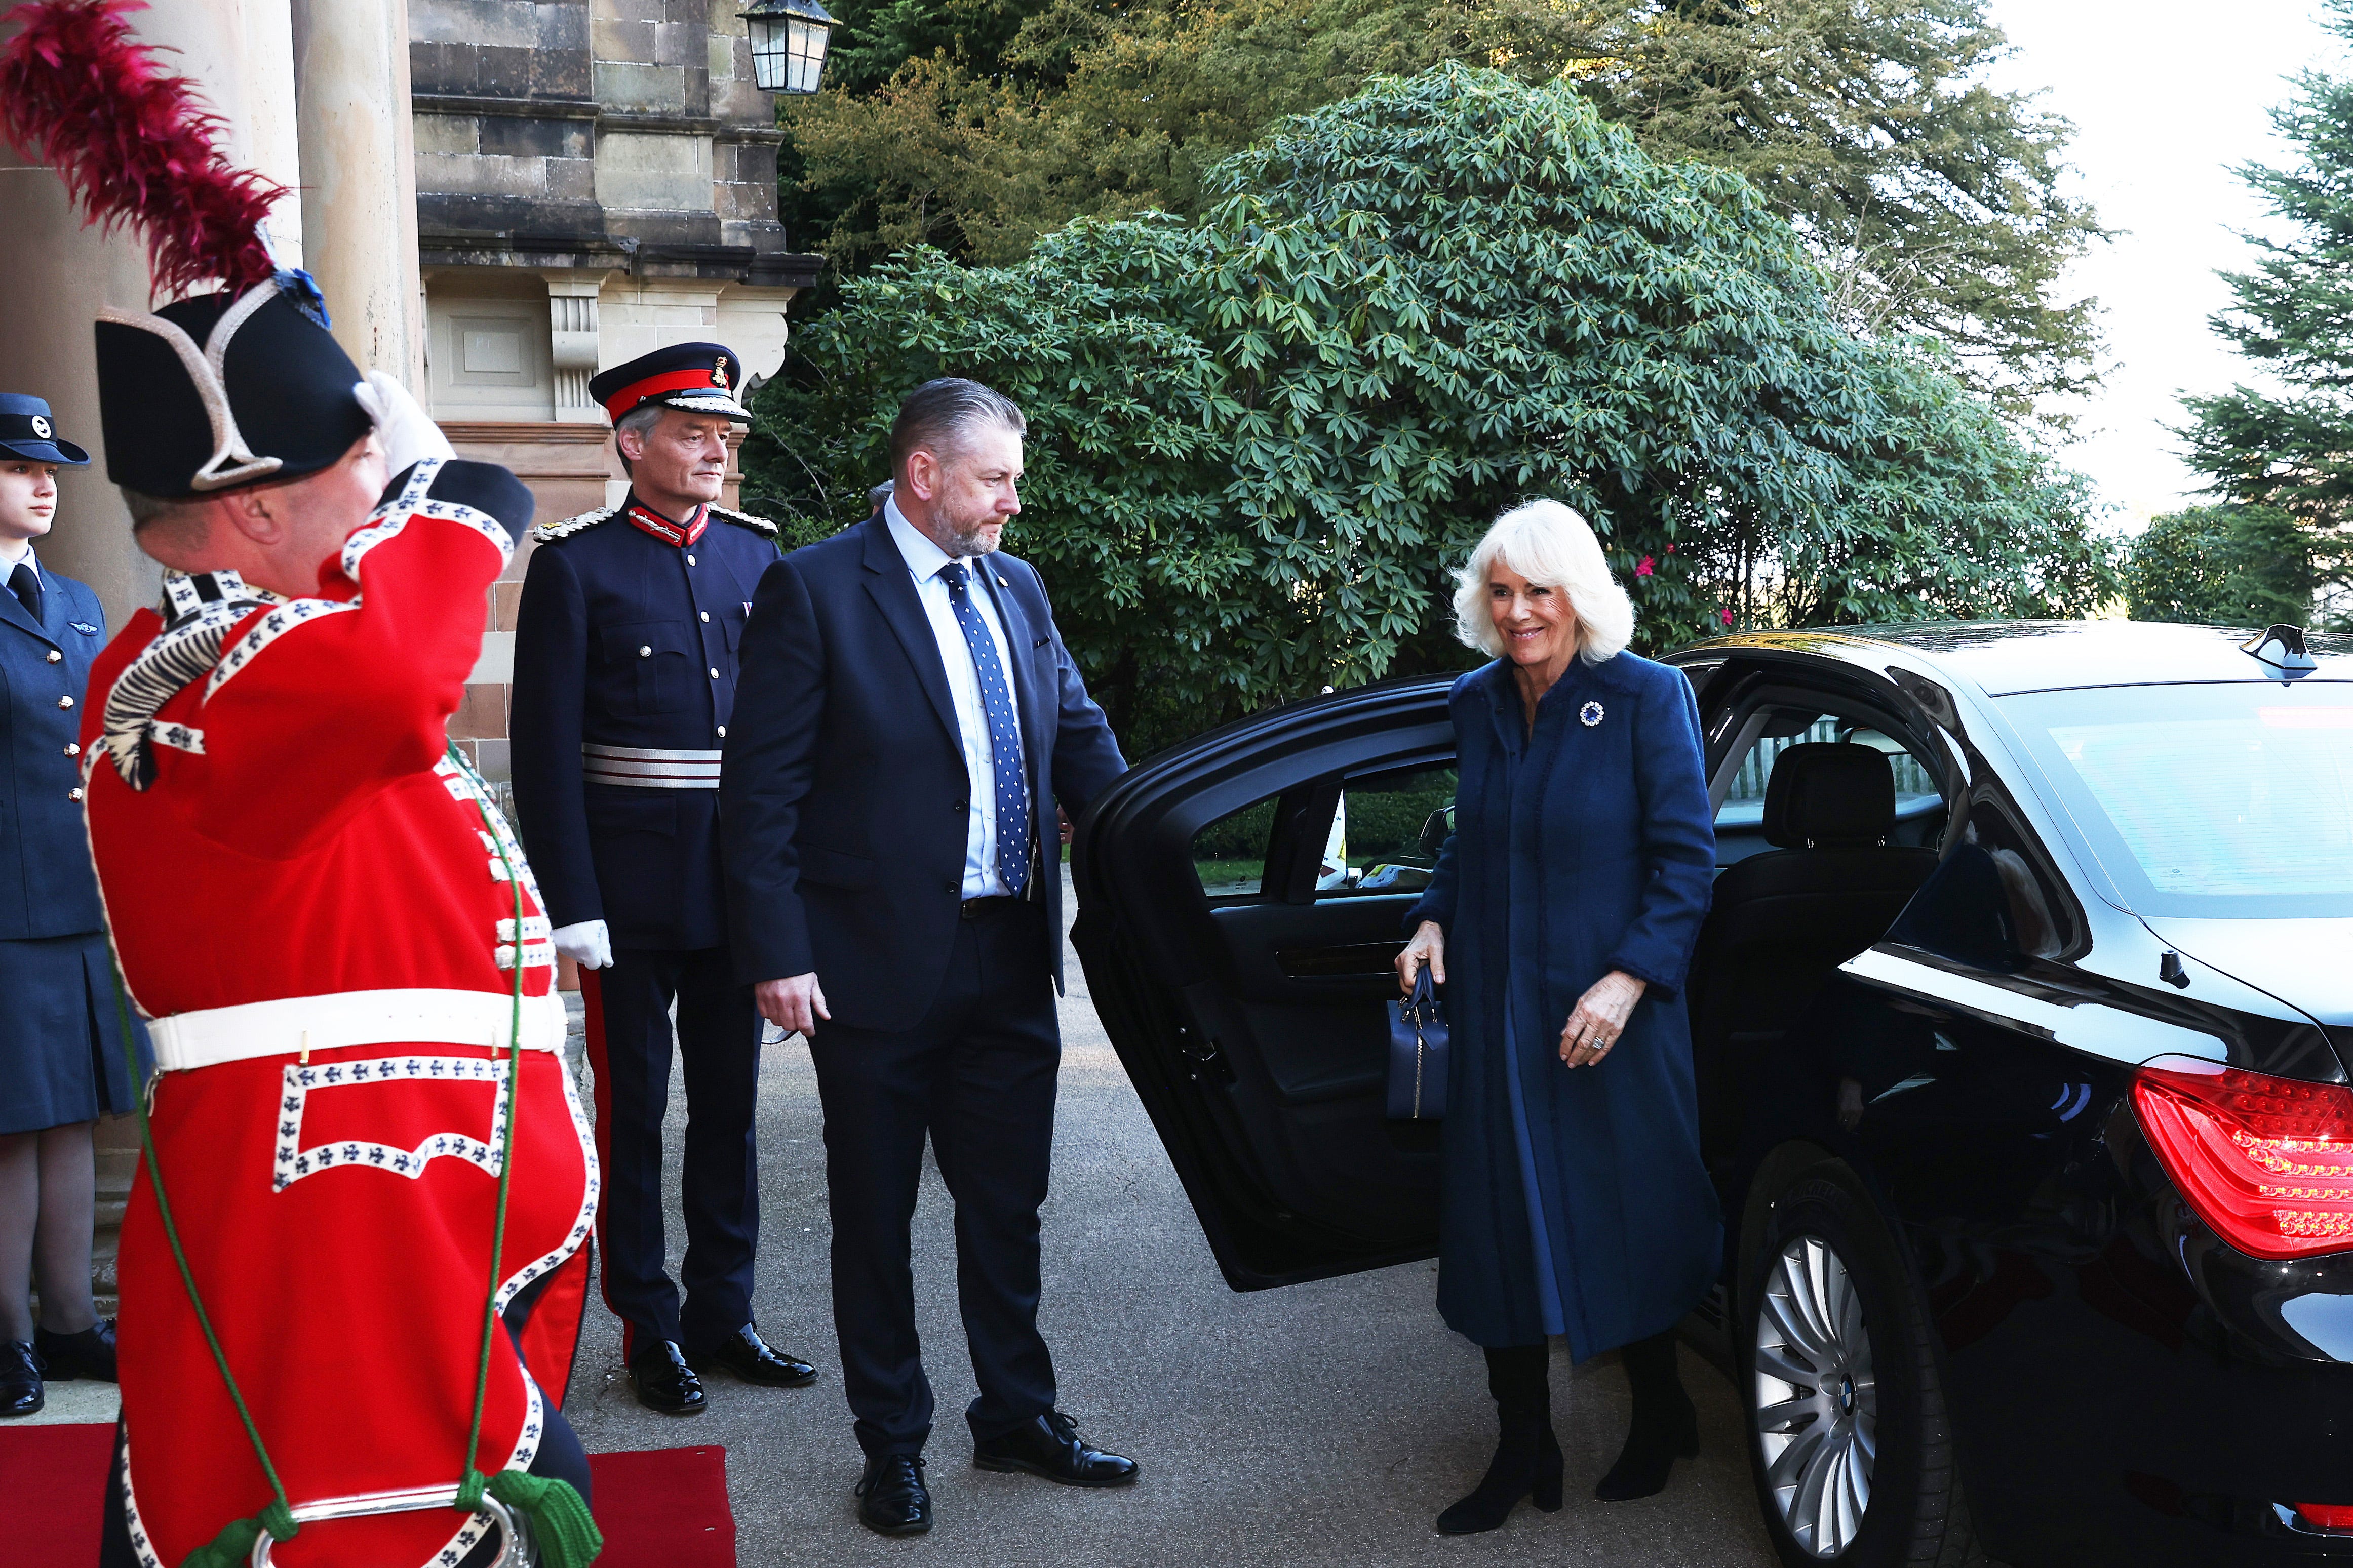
[40, 428]
[719, 371]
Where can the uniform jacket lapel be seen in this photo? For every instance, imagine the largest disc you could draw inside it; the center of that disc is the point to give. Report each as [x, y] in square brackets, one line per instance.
[13, 611]
[893, 593]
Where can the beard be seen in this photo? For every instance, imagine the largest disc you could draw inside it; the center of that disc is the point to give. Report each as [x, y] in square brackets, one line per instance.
[967, 538]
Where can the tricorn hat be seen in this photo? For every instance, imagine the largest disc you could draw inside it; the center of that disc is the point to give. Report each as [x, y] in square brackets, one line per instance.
[700, 378]
[221, 391]
[26, 430]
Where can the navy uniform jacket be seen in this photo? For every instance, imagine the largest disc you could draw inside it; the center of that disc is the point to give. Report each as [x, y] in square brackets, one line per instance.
[47, 886]
[625, 640]
[845, 783]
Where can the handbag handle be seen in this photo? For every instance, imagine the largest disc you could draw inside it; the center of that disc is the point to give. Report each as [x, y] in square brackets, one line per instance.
[1421, 1003]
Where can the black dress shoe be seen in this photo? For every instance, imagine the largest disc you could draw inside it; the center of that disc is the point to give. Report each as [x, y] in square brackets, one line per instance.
[89, 1353]
[20, 1380]
[892, 1497]
[665, 1382]
[1051, 1446]
[746, 1354]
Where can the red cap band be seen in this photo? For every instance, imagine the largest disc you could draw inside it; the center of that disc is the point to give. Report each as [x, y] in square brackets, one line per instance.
[696, 377]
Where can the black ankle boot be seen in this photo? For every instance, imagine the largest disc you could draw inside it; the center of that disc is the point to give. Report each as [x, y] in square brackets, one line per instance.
[1527, 1455]
[1665, 1425]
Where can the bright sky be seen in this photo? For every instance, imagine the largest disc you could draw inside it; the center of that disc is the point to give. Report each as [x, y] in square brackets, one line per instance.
[2166, 97]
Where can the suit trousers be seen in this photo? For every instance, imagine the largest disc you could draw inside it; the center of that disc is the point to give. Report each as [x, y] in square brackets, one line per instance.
[629, 1049]
[978, 1073]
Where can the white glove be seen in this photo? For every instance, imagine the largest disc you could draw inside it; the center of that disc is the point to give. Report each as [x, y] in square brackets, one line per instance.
[407, 432]
[588, 944]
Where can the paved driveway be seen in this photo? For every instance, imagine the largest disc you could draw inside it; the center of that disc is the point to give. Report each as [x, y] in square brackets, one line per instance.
[1321, 1424]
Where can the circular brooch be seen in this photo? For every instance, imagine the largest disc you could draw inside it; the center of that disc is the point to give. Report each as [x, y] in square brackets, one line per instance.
[1589, 715]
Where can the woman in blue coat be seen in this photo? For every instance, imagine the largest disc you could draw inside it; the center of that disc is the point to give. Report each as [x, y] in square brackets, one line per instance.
[1563, 913]
[61, 1061]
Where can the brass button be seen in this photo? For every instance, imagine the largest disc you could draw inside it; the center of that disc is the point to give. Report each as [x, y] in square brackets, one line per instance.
[722, 731]
[715, 674]
[57, 658]
[65, 702]
[73, 748]
[73, 794]
[690, 560]
[706, 614]
[645, 653]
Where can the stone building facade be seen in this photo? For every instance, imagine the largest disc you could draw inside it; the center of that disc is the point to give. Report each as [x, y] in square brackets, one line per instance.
[595, 179]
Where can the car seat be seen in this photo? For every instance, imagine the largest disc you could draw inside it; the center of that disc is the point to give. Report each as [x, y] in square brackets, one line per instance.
[1784, 918]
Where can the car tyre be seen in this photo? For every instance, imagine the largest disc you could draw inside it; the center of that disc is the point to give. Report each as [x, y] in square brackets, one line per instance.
[1848, 1439]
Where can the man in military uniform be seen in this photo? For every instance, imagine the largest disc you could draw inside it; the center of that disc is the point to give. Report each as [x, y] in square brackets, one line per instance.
[625, 678]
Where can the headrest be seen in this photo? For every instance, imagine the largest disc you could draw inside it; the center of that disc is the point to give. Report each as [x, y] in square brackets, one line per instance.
[1829, 795]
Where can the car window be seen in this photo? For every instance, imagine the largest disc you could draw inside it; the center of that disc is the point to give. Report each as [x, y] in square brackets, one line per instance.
[1740, 818]
[1386, 832]
[1230, 854]
[1994, 901]
[2233, 799]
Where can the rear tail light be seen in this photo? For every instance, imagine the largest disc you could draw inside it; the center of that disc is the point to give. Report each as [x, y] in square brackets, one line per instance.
[2267, 1162]
[2327, 1515]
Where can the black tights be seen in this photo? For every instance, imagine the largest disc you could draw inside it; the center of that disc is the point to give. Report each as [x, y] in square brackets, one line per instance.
[48, 1209]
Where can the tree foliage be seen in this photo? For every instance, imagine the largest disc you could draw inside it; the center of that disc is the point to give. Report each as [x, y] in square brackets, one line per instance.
[2292, 317]
[2222, 566]
[1930, 198]
[1260, 440]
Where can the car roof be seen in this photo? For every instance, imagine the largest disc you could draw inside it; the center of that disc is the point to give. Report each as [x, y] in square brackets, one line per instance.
[2004, 657]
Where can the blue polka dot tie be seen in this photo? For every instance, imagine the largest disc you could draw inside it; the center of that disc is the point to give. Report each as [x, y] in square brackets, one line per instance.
[1004, 735]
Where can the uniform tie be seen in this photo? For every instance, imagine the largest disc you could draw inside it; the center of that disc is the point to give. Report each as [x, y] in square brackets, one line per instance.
[1004, 736]
[26, 583]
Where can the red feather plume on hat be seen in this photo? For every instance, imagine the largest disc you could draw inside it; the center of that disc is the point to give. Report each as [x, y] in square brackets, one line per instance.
[134, 143]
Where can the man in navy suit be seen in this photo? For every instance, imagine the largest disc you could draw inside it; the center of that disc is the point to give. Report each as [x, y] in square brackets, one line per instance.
[907, 714]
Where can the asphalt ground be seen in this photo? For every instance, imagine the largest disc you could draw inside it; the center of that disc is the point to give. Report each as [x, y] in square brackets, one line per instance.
[1321, 1424]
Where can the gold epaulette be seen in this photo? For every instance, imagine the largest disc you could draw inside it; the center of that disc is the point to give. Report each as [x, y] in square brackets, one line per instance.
[759, 525]
[549, 532]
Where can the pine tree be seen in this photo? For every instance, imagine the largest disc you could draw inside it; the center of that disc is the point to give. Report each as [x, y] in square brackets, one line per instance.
[2292, 316]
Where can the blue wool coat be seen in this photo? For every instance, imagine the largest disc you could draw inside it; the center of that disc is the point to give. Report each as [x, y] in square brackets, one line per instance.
[1575, 1201]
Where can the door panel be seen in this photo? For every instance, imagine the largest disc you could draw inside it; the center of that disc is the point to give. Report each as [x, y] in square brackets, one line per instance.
[1236, 922]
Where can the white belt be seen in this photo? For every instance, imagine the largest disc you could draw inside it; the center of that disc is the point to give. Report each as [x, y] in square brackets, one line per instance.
[640, 767]
[211, 1036]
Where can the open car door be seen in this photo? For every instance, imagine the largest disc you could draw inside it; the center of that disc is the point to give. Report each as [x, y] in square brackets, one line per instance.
[1241, 903]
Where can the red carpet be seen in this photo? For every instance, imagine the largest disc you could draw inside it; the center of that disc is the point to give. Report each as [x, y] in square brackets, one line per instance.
[662, 1508]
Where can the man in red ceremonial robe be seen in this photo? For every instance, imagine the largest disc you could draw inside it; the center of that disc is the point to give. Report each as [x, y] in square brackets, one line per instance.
[315, 903]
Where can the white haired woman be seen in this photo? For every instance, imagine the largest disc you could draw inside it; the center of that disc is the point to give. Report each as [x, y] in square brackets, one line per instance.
[1563, 911]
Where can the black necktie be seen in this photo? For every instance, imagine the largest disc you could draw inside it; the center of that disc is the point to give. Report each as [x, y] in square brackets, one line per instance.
[26, 583]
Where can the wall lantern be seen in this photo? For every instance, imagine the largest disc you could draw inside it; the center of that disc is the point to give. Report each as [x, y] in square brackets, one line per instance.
[788, 40]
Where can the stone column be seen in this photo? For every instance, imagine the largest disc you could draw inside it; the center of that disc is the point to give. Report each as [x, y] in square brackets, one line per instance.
[60, 272]
[359, 178]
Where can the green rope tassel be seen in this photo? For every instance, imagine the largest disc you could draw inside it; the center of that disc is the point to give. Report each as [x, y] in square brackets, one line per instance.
[234, 1545]
[561, 1524]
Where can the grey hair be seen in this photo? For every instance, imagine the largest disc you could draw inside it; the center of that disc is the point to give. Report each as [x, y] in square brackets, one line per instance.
[881, 493]
[184, 521]
[938, 414]
[642, 420]
[1551, 547]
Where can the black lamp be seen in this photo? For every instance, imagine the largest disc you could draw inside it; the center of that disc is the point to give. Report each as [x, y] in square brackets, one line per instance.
[788, 40]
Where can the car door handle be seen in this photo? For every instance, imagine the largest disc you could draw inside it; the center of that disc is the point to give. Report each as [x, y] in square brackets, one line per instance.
[1352, 959]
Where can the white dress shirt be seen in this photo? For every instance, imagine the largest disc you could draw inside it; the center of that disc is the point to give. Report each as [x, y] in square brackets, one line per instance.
[924, 560]
[25, 554]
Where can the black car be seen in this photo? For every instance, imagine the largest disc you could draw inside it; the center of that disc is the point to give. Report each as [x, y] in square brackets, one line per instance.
[2023, 1079]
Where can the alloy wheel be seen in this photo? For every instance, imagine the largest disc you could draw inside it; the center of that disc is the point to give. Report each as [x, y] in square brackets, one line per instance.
[1817, 1400]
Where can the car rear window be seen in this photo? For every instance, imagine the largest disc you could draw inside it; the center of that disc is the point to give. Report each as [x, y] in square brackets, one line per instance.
[2228, 800]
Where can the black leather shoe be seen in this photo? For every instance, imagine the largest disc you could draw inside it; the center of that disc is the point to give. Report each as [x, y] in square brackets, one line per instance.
[665, 1382]
[746, 1354]
[892, 1497]
[1051, 1446]
[20, 1380]
[89, 1353]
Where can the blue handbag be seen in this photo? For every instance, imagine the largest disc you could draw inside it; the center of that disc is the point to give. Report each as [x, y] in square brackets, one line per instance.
[1417, 1040]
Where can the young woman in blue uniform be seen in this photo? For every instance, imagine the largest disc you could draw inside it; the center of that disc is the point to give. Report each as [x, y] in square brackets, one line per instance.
[62, 1062]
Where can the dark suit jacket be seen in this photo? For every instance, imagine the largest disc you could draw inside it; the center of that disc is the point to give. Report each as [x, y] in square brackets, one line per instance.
[842, 800]
[47, 886]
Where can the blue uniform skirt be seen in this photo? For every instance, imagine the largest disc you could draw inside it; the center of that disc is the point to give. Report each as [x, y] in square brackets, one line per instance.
[60, 1044]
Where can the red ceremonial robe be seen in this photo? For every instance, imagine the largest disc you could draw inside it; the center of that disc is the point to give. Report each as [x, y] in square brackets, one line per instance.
[304, 834]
